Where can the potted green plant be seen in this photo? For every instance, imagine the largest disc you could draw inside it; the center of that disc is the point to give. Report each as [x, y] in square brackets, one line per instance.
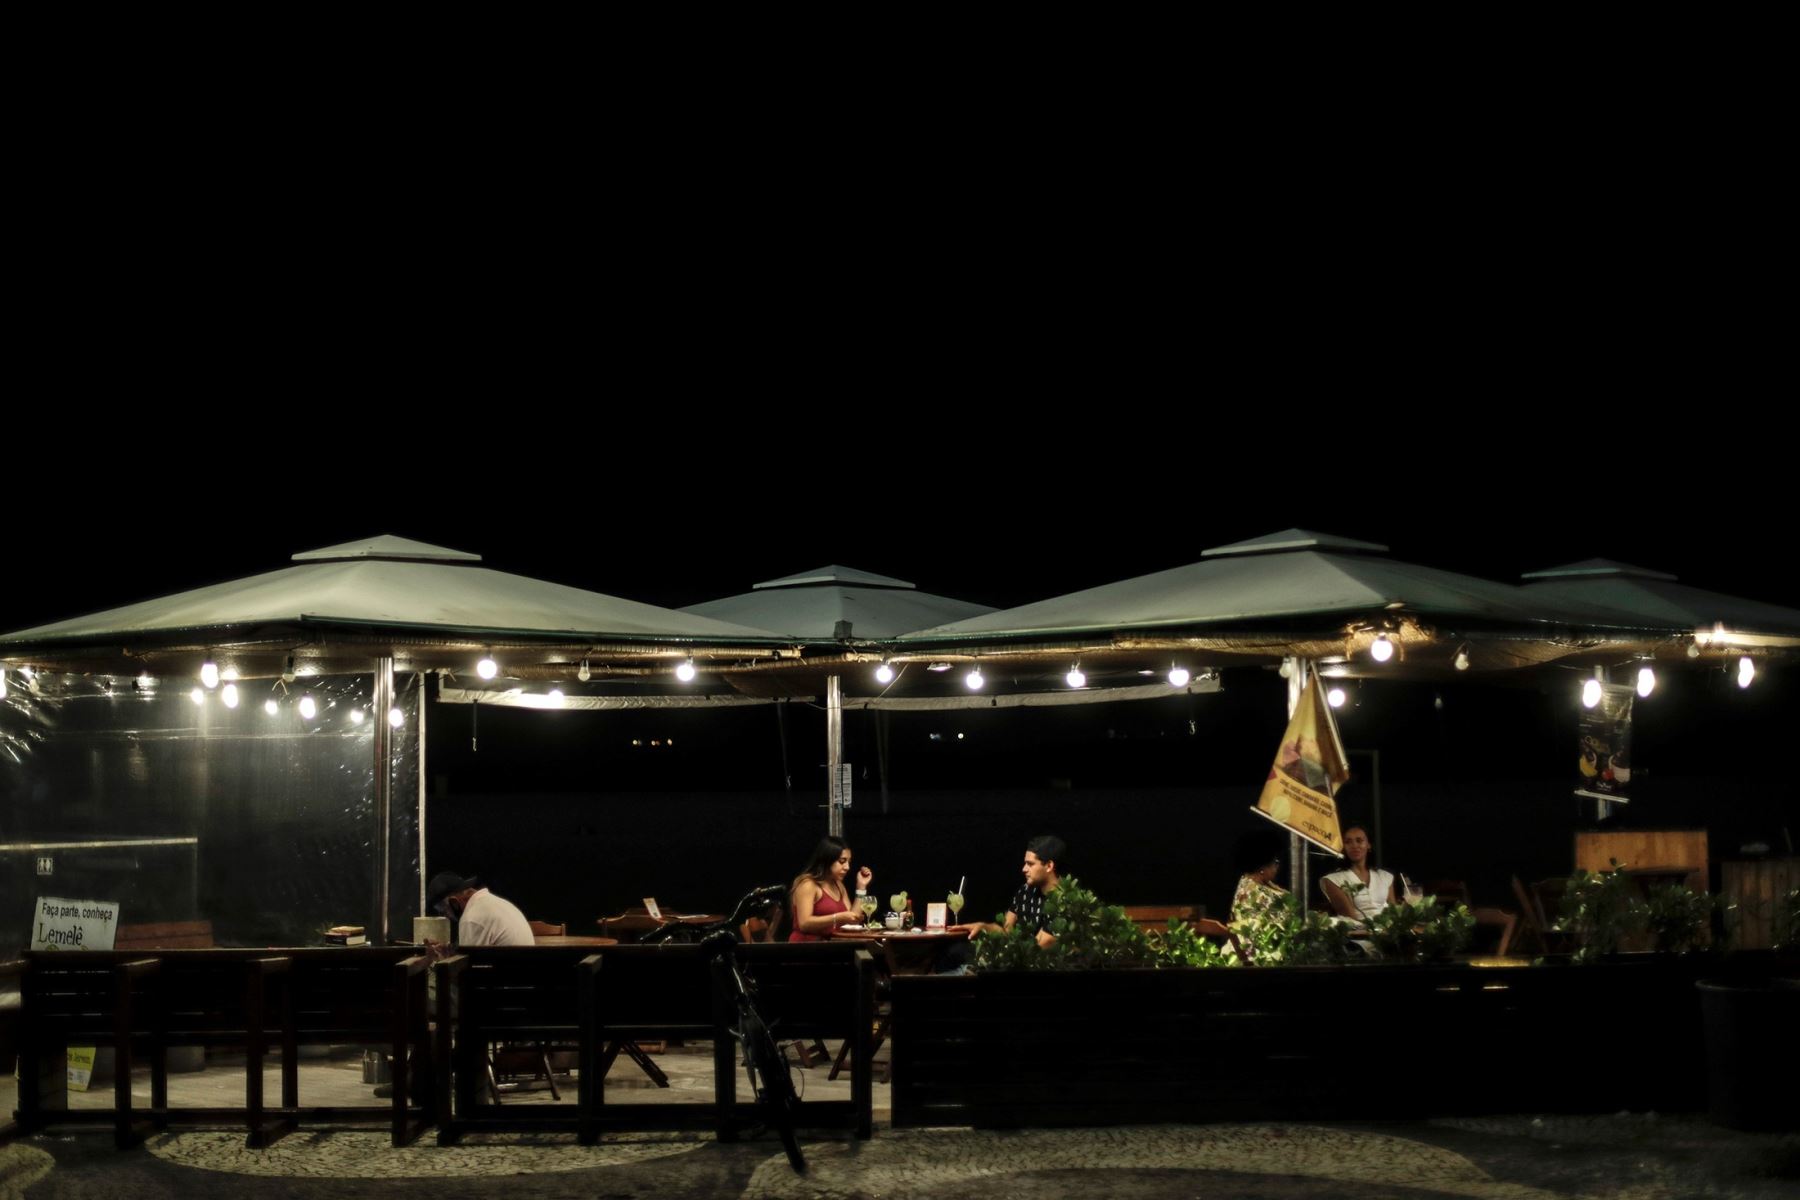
[1676, 917]
[1423, 932]
[1598, 909]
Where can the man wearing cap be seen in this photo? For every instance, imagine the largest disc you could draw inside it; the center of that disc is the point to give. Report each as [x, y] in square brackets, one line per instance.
[482, 918]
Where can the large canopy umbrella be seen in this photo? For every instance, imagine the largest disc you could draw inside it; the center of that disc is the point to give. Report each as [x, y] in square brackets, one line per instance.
[835, 604]
[1717, 624]
[382, 605]
[1298, 594]
[1295, 596]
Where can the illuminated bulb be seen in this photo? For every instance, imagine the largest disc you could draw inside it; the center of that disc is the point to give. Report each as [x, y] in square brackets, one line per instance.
[270, 707]
[145, 682]
[1461, 661]
[487, 668]
[1075, 678]
[1746, 671]
[974, 680]
[556, 697]
[209, 674]
[1287, 669]
[685, 672]
[287, 670]
[1382, 650]
[1646, 681]
[198, 696]
[396, 718]
[308, 709]
[884, 674]
[1178, 677]
[1693, 650]
[230, 695]
[1590, 693]
[584, 674]
[1335, 697]
[356, 716]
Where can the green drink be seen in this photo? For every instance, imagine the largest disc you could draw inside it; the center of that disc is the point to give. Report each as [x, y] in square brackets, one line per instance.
[955, 901]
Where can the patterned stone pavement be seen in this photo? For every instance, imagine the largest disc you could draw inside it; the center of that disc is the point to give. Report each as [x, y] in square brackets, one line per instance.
[1632, 1157]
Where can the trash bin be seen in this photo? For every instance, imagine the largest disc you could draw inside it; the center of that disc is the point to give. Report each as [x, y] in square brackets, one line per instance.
[1752, 1052]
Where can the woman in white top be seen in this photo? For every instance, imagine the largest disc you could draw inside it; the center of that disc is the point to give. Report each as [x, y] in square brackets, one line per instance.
[1376, 890]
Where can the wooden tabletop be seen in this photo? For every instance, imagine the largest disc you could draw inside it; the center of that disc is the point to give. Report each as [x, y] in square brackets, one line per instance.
[574, 939]
[959, 933]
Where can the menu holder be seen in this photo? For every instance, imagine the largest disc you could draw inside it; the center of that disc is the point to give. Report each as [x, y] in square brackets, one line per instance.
[651, 908]
[936, 915]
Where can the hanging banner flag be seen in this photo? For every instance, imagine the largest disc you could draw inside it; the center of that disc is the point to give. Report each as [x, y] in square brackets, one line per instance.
[1309, 768]
[1605, 750]
[59, 924]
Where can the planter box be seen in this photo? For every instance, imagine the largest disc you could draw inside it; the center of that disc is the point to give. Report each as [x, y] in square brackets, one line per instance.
[1107, 1047]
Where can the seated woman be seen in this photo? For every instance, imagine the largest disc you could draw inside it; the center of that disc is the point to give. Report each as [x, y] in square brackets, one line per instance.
[1360, 890]
[1259, 857]
[818, 900]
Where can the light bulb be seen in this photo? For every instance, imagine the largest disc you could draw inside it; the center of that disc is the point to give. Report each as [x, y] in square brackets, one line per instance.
[487, 668]
[1335, 697]
[396, 718]
[1590, 693]
[198, 696]
[1646, 682]
[356, 716]
[1746, 671]
[884, 674]
[1461, 661]
[974, 679]
[209, 674]
[584, 674]
[1178, 677]
[270, 707]
[1075, 678]
[686, 672]
[308, 707]
[230, 695]
[1382, 649]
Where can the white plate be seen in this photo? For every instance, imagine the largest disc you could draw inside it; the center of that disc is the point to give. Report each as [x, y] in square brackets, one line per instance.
[852, 928]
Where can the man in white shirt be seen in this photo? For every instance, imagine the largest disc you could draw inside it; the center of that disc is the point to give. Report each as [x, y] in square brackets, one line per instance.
[482, 918]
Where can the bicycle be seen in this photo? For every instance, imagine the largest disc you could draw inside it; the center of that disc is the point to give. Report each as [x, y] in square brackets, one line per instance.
[765, 1061]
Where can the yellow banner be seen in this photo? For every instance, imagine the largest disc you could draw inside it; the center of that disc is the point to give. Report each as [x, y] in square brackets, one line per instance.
[1309, 768]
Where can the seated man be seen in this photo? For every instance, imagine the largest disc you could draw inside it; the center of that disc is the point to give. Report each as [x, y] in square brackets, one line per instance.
[1027, 905]
[482, 918]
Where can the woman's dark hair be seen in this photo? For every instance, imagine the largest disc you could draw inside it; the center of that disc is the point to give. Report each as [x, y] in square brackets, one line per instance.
[1257, 850]
[818, 867]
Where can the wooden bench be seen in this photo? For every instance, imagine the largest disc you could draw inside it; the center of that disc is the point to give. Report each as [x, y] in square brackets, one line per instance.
[145, 1003]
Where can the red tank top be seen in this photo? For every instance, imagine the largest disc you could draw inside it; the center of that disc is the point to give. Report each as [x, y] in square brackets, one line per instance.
[824, 906]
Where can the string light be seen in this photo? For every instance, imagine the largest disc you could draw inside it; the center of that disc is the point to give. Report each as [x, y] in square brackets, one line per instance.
[974, 679]
[396, 718]
[884, 674]
[1590, 693]
[230, 695]
[686, 672]
[1075, 678]
[1382, 649]
[487, 668]
[1646, 681]
[1178, 676]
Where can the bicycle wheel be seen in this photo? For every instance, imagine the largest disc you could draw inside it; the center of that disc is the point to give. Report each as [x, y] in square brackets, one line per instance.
[772, 1085]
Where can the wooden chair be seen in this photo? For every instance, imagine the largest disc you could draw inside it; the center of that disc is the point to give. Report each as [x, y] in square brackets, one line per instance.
[546, 929]
[1538, 925]
[1456, 891]
[1218, 930]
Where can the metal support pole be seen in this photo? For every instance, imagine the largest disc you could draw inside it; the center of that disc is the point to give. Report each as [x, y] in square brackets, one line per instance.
[1297, 873]
[834, 753]
[384, 791]
[424, 686]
